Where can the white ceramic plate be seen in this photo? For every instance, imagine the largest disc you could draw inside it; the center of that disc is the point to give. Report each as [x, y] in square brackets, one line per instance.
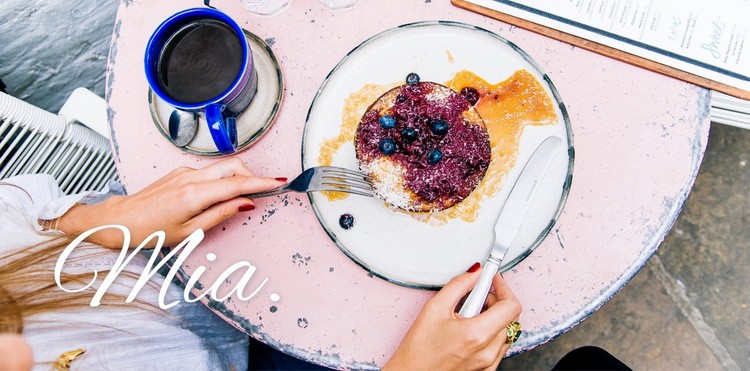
[395, 245]
[252, 123]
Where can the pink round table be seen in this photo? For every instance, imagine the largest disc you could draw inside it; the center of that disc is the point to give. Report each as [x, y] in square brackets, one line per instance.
[639, 140]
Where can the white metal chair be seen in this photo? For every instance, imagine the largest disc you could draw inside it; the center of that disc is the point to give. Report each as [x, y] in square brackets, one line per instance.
[729, 110]
[33, 140]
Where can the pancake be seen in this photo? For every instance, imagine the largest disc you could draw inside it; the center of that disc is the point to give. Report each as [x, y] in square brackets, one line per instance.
[424, 145]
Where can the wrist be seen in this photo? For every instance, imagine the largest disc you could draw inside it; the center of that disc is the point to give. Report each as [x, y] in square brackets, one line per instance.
[82, 217]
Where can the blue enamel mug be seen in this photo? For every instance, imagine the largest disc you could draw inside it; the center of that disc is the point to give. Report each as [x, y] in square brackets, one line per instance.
[199, 60]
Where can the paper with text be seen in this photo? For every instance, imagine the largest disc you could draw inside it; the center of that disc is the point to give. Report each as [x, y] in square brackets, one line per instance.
[706, 38]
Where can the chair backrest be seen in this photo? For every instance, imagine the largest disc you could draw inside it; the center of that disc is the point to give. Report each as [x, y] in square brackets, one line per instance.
[33, 140]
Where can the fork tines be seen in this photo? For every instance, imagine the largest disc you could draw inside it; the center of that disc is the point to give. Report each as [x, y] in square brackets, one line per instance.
[344, 171]
[345, 180]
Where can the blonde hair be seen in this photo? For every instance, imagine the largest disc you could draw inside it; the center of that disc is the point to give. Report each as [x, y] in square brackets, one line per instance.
[27, 282]
[28, 287]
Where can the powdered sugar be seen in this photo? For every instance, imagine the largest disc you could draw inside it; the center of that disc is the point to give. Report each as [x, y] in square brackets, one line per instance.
[389, 184]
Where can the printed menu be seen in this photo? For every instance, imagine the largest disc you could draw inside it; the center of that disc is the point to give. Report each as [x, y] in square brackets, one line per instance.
[710, 39]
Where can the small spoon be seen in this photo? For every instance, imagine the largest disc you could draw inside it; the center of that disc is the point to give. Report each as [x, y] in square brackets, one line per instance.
[182, 127]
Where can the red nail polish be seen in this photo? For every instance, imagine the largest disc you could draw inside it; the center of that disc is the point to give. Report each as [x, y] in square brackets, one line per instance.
[281, 179]
[247, 207]
[473, 268]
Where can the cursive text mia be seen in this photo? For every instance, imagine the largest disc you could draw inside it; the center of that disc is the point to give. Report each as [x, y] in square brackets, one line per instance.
[153, 266]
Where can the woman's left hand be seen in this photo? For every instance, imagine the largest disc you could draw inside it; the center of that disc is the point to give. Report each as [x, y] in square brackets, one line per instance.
[178, 204]
[441, 339]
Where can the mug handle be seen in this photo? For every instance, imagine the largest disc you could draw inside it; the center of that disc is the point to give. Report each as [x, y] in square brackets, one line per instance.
[223, 130]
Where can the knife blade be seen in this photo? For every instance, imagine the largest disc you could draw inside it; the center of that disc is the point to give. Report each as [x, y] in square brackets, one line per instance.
[510, 220]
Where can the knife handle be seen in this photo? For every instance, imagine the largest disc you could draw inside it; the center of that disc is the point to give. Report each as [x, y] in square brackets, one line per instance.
[474, 303]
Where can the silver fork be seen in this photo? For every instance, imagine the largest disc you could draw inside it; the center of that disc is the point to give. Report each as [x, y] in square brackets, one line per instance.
[324, 178]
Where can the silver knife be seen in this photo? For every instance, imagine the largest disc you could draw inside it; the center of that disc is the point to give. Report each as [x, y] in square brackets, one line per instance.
[509, 221]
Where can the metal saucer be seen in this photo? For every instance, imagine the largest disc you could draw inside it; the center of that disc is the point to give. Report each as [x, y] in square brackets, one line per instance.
[252, 123]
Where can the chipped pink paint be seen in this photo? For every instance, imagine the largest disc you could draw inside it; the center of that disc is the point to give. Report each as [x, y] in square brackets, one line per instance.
[639, 139]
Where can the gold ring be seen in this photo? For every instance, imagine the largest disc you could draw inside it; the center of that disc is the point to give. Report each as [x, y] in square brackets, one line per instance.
[513, 331]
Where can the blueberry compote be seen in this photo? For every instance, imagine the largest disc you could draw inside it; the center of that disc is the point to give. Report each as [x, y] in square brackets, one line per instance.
[444, 152]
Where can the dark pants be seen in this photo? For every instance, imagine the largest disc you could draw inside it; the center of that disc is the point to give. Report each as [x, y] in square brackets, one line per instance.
[263, 357]
[589, 358]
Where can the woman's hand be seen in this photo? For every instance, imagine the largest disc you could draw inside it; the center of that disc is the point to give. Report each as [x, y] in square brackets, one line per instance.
[441, 339]
[178, 204]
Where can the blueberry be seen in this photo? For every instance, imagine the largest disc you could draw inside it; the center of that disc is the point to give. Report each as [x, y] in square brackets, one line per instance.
[412, 78]
[470, 94]
[387, 122]
[346, 221]
[434, 156]
[387, 147]
[439, 127]
[408, 134]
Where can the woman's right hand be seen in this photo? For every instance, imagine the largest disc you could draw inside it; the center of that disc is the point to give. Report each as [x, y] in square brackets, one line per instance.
[441, 339]
[178, 204]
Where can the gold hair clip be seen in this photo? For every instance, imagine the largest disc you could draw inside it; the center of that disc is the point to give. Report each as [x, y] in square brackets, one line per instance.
[64, 360]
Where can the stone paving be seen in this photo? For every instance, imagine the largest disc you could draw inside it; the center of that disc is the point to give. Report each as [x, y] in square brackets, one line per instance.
[688, 308]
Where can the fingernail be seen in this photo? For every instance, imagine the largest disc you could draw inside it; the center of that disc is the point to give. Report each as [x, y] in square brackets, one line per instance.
[473, 268]
[280, 179]
[247, 207]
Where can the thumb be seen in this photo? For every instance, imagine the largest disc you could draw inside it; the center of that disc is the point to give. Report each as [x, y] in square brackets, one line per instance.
[220, 212]
[449, 296]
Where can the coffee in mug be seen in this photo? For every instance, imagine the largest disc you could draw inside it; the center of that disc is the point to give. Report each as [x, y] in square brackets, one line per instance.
[198, 60]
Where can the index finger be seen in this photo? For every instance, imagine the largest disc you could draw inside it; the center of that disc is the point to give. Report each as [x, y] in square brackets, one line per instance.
[502, 312]
[214, 191]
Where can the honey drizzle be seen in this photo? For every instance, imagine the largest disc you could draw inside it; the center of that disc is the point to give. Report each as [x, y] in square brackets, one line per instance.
[506, 108]
[354, 107]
